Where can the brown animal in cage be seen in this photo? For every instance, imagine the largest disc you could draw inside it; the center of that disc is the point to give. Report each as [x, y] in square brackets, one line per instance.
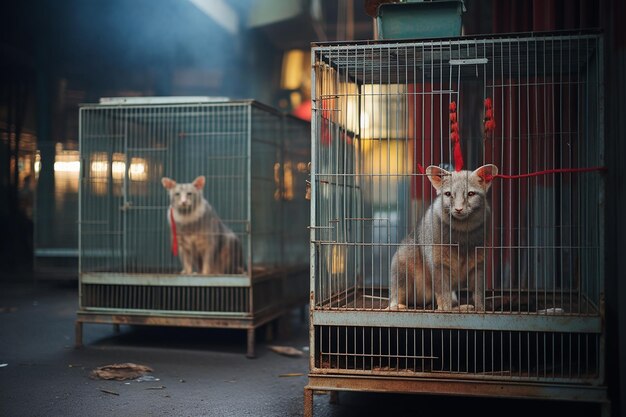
[204, 243]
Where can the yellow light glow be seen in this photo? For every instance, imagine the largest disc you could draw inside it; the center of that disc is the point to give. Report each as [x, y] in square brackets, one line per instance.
[293, 68]
[138, 169]
[302, 167]
[66, 161]
[67, 166]
[288, 181]
[337, 260]
[118, 168]
[66, 170]
[99, 167]
[37, 165]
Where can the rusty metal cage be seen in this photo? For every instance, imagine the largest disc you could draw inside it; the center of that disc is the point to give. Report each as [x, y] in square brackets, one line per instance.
[254, 160]
[381, 113]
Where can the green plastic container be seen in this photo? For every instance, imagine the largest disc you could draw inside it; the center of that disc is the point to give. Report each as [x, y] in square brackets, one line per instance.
[419, 19]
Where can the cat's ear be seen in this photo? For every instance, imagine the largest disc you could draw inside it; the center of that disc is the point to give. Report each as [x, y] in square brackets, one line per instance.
[168, 183]
[199, 182]
[485, 175]
[436, 176]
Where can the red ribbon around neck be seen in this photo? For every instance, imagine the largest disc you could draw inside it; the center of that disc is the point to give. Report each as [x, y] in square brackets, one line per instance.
[174, 236]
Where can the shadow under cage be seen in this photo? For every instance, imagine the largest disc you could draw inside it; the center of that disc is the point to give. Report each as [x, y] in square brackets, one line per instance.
[248, 161]
[409, 296]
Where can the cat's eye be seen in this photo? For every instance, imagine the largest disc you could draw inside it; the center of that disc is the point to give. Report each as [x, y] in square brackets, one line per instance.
[448, 194]
[471, 194]
[177, 194]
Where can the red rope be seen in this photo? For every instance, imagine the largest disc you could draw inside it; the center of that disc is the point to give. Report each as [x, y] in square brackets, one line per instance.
[489, 128]
[546, 172]
[455, 137]
[174, 236]
[421, 170]
[490, 124]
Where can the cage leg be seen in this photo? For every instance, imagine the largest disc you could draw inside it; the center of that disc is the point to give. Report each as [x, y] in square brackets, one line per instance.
[308, 402]
[334, 397]
[78, 334]
[116, 328]
[250, 354]
[605, 409]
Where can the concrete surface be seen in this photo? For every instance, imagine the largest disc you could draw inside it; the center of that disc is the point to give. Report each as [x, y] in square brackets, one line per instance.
[201, 372]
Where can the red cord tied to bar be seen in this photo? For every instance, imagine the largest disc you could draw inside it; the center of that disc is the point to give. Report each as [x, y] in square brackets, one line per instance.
[490, 124]
[489, 128]
[489, 178]
[455, 137]
[544, 172]
[174, 236]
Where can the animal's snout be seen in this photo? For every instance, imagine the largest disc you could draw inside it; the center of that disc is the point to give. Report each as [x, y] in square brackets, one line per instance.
[458, 210]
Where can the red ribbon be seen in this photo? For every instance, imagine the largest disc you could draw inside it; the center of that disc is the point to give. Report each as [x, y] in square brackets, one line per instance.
[546, 172]
[488, 178]
[455, 138]
[490, 124]
[174, 236]
[490, 127]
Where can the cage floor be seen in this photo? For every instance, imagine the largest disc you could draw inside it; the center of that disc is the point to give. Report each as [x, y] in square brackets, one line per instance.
[397, 350]
[501, 301]
[258, 271]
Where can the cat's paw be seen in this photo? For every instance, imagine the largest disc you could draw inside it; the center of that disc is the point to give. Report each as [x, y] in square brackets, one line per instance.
[396, 307]
[467, 307]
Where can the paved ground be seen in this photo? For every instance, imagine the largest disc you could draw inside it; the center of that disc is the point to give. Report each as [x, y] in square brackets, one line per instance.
[200, 372]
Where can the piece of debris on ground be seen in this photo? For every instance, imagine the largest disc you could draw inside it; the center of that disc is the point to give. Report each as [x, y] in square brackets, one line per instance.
[120, 371]
[286, 350]
[106, 391]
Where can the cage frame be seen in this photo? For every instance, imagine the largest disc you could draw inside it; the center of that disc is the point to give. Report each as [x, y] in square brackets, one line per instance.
[290, 280]
[388, 381]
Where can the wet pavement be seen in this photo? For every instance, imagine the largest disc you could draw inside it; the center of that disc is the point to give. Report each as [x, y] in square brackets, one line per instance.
[197, 372]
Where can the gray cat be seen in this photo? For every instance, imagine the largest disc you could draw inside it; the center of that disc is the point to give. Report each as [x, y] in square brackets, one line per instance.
[205, 243]
[441, 256]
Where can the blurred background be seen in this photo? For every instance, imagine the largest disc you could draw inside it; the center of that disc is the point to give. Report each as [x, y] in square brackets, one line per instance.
[58, 54]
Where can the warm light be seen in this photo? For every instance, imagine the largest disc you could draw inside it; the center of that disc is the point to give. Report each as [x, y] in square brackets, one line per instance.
[138, 169]
[98, 167]
[66, 161]
[293, 69]
[37, 165]
[67, 166]
[118, 168]
[66, 171]
[337, 260]
[303, 167]
[288, 181]
[365, 120]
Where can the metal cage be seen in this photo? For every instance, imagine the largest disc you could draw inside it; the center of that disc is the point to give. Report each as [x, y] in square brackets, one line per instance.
[381, 113]
[254, 160]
